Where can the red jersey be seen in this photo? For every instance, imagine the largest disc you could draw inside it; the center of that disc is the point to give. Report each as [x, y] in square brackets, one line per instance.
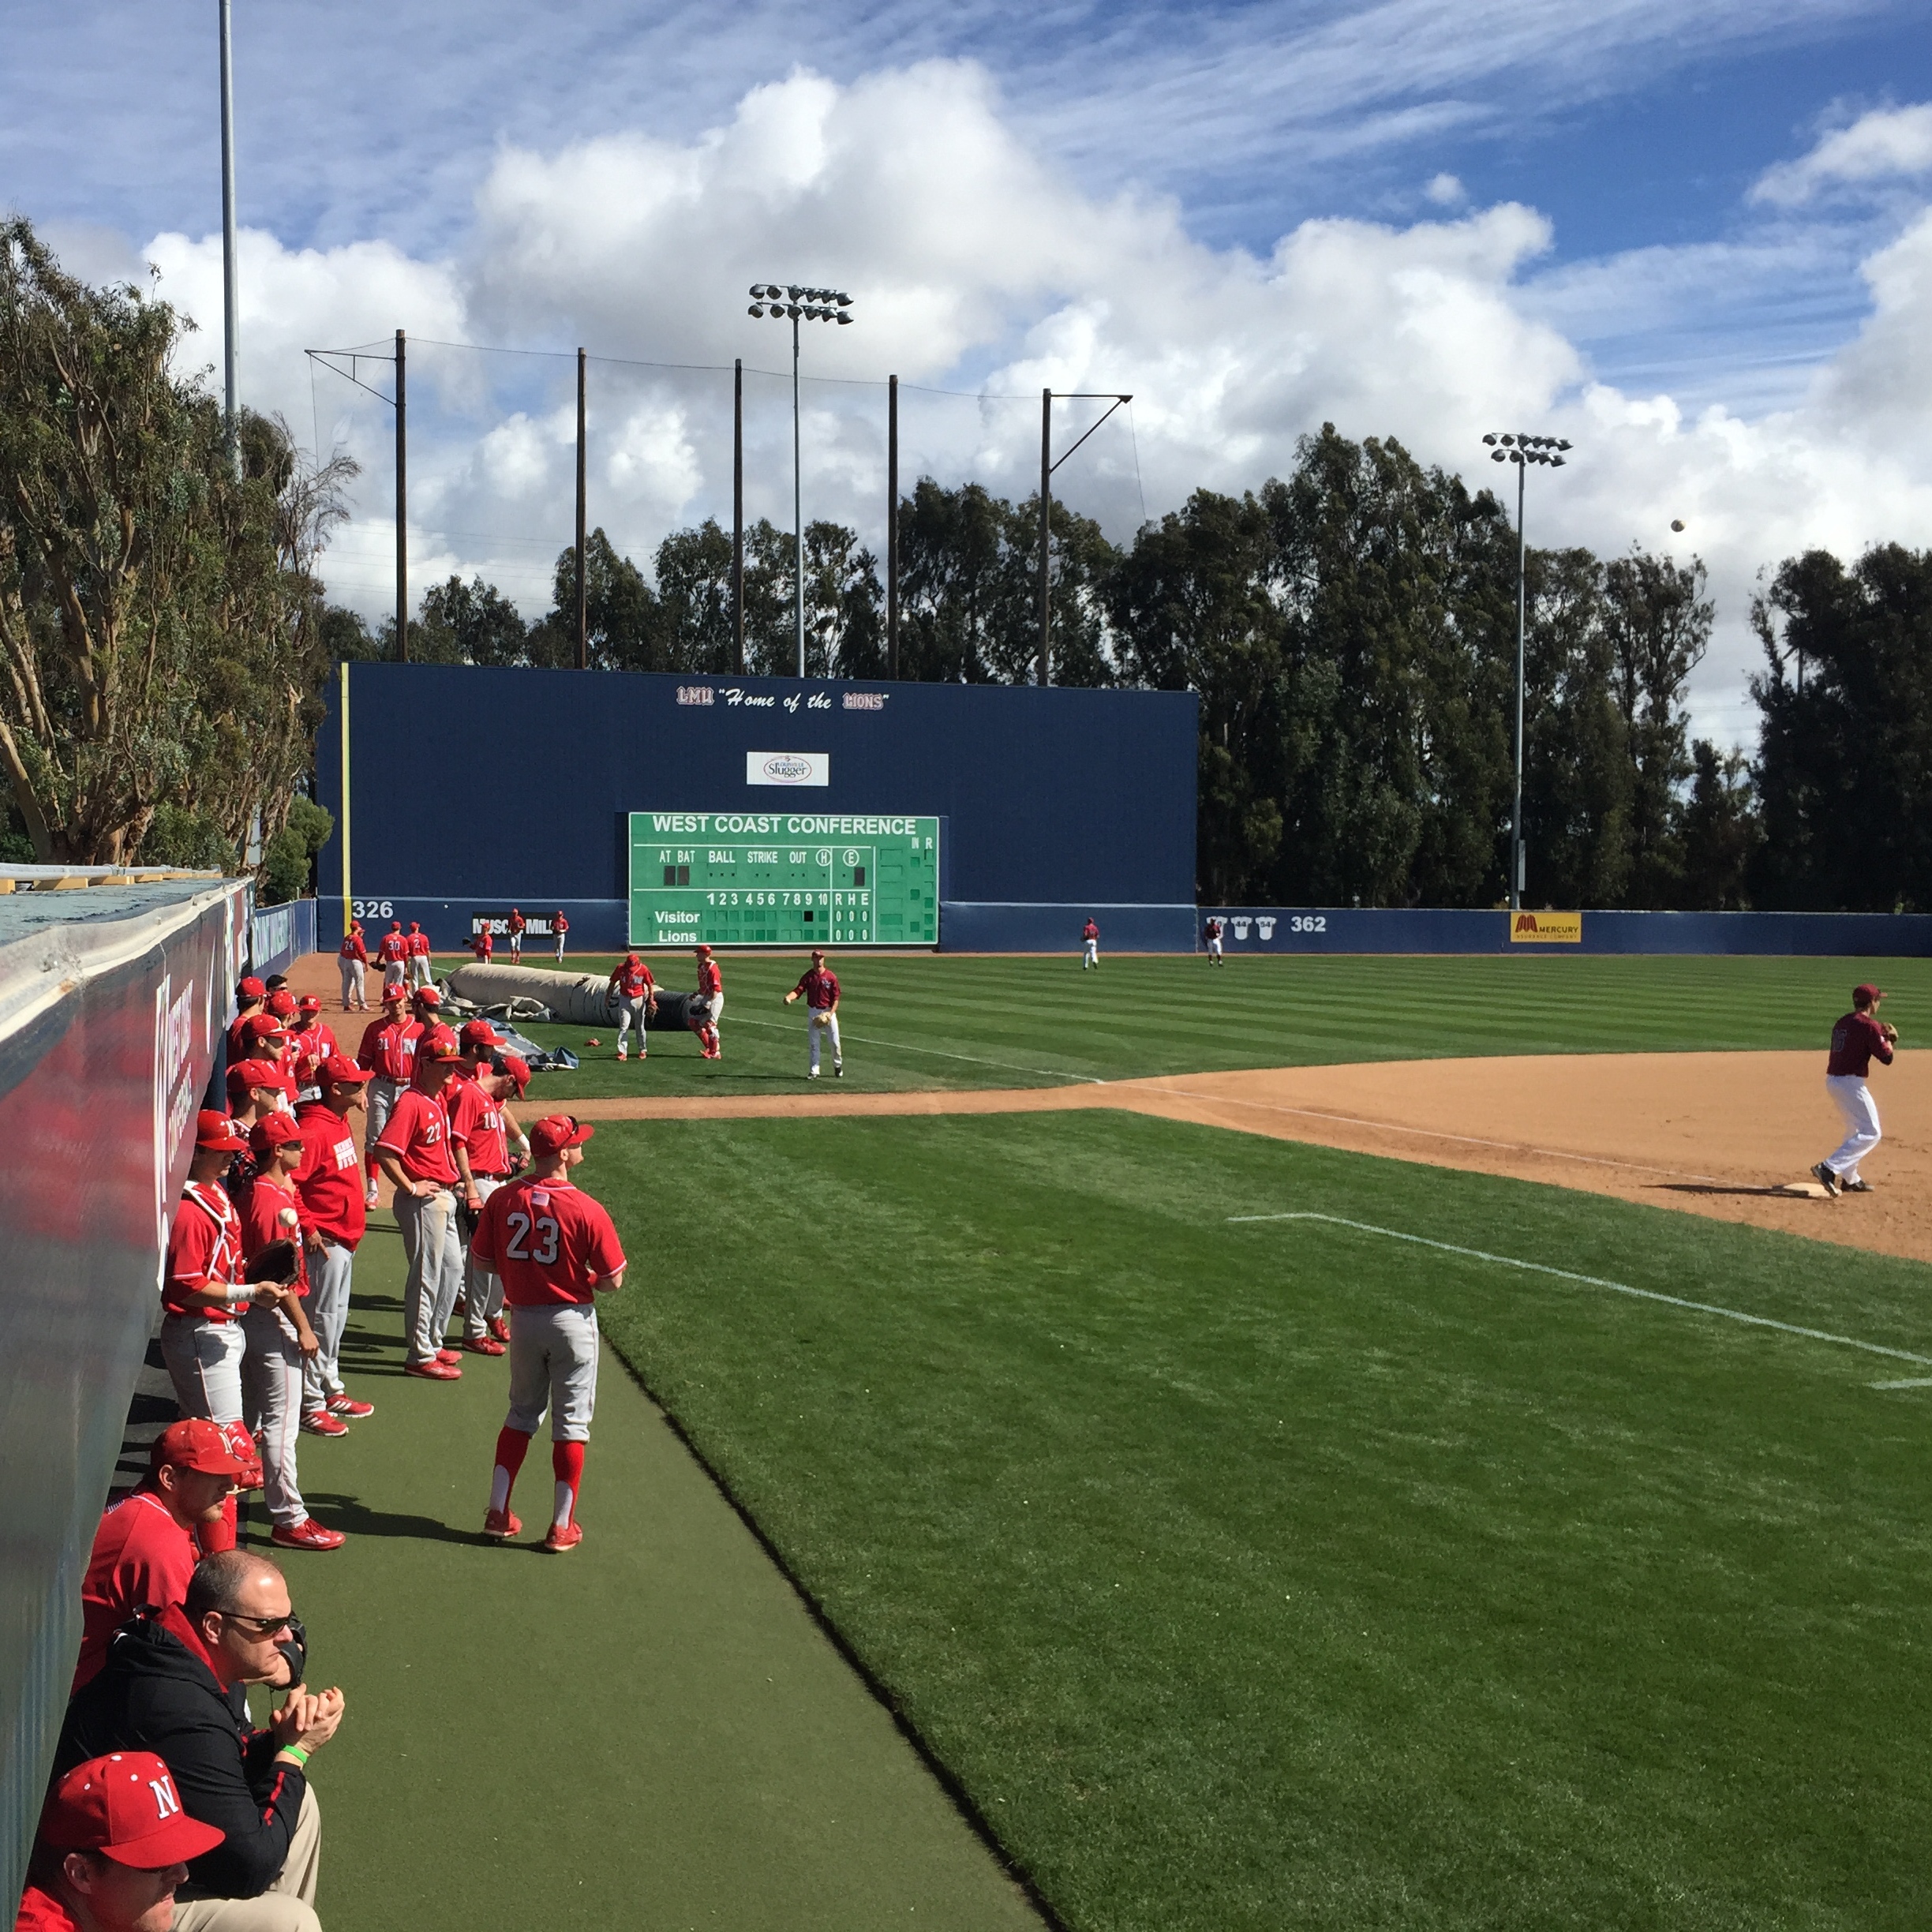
[312, 1042]
[710, 979]
[353, 948]
[547, 1242]
[141, 1555]
[419, 945]
[240, 1048]
[634, 979]
[40, 1911]
[393, 950]
[483, 944]
[1090, 930]
[265, 1219]
[518, 922]
[418, 1133]
[389, 1047]
[820, 987]
[329, 1182]
[1856, 1042]
[476, 1123]
[559, 924]
[204, 1248]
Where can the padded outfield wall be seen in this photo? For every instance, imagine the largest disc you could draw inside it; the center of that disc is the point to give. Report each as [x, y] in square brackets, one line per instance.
[471, 790]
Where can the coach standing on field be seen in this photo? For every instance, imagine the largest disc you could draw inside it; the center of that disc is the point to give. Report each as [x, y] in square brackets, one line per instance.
[1857, 1039]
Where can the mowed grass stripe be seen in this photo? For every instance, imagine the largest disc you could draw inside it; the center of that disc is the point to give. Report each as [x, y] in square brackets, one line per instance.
[1247, 1581]
[1039, 1021]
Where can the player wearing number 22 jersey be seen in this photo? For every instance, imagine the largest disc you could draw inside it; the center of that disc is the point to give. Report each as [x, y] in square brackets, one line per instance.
[555, 1250]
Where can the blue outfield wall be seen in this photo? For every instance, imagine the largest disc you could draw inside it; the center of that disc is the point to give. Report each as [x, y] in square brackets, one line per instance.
[472, 790]
[1343, 928]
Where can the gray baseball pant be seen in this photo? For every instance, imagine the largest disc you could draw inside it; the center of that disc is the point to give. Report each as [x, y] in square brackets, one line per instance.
[433, 1243]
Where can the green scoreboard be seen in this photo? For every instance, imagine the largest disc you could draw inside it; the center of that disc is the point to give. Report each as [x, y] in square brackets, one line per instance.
[783, 879]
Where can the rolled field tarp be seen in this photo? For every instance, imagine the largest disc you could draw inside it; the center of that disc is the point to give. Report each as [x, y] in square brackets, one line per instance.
[577, 999]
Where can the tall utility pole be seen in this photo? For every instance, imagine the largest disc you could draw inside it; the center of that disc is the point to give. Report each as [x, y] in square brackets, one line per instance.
[1047, 467]
[230, 294]
[892, 526]
[402, 410]
[583, 605]
[798, 497]
[738, 516]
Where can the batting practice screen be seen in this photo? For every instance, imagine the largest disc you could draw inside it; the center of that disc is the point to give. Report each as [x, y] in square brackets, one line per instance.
[783, 879]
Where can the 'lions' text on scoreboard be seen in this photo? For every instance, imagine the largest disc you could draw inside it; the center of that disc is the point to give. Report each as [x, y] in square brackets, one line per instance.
[784, 879]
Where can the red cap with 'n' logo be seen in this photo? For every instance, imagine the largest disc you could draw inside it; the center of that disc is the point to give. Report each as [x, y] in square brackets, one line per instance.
[124, 1807]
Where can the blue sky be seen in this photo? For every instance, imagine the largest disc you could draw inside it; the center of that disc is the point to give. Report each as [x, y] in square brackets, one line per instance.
[500, 153]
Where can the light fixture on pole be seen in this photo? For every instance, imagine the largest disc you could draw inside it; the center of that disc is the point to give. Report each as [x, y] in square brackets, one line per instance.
[799, 304]
[1047, 467]
[1523, 451]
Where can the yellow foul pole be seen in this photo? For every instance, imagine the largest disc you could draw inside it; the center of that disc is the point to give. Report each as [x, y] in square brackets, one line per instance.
[348, 916]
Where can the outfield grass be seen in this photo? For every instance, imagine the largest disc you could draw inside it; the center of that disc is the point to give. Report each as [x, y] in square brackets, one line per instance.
[953, 1021]
[1278, 1575]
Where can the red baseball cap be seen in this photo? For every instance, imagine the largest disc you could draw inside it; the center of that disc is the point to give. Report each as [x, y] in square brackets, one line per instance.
[124, 1807]
[247, 1073]
[273, 1131]
[262, 1026]
[399, 991]
[518, 1069]
[816, 953]
[215, 1130]
[1864, 995]
[342, 1072]
[480, 1033]
[192, 1443]
[555, 1132]
[427, 996]
[281, 1002]
[439, 1043]
[251, 988]
[704, 948]
[309, 1003]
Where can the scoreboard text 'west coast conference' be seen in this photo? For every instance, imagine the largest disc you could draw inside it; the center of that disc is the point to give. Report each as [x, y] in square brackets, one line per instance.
[783, 879]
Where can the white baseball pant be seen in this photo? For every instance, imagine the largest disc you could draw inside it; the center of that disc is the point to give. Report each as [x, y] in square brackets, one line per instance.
[560, 940]
[553, 1365]
[433, 1243]
[419, 972]
[1861, 1118]
[482, 1290]
[328, 1315]
[1090, 954]
[204, 1360]
[271, 1389]
[630, 1013]
[824, 1024]
[395, 972]
[353, 983]
[1214, 947]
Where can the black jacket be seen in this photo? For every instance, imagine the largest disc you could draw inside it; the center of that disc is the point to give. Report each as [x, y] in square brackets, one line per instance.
[155, 1694]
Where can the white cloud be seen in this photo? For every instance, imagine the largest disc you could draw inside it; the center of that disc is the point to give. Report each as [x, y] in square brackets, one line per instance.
[975, 265]
[1445, 191]
[1889, 143]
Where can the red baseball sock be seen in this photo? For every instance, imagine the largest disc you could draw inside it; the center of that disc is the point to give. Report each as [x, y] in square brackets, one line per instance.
[512, 1446]
[567, 1461]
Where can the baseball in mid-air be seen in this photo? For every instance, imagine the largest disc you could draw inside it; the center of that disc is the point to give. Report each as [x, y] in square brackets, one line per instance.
[1677, 524]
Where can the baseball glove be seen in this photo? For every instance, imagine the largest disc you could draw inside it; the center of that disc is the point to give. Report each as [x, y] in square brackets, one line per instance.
[1889, 1031]
[278, 1263]
[821, 1016]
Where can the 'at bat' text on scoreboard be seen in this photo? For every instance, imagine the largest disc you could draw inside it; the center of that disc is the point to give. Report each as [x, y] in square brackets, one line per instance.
[783, 879]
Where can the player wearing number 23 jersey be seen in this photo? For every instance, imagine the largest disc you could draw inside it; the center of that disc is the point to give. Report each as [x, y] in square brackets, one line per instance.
[555, 1249]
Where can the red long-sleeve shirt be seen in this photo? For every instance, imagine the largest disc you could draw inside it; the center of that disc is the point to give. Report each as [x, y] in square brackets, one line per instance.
[329, 1182]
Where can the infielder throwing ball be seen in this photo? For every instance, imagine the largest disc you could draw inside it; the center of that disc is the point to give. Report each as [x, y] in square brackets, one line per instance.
[1857, 1039]
[556, 1251]
[819, 989]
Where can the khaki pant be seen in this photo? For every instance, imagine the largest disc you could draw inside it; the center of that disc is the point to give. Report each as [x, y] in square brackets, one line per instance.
[289, 1903]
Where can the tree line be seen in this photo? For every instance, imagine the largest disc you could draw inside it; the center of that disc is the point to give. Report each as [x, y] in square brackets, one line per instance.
[1349, 631]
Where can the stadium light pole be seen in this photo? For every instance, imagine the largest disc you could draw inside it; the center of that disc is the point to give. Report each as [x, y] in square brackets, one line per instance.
[1047, 467]
[799, 304]
[1523, 451]
[230, 293]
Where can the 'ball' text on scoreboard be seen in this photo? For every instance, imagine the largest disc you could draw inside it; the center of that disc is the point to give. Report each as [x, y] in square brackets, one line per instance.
[784, 879]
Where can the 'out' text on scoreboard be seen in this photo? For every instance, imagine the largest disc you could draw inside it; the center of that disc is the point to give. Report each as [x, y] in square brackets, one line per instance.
[783, 879]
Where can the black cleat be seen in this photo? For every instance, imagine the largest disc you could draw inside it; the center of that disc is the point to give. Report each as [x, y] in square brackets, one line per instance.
[1854, 1187]
[838, 1070]
[1825, 1178]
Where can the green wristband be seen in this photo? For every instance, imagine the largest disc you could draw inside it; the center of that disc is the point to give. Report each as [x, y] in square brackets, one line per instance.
[296, 1752]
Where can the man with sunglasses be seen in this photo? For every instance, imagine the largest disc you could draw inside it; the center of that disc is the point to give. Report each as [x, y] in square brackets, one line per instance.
[174, 1685]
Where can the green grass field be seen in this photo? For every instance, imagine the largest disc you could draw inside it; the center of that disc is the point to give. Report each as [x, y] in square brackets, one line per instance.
[1271, 1574]
[946, 1021]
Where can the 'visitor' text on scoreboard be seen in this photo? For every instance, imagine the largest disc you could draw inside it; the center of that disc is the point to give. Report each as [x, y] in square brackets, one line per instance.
[784, 879]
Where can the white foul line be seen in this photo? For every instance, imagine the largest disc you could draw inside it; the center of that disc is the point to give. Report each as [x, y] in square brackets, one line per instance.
[1596, 1281]
[1910, 1382]
[865, 1039]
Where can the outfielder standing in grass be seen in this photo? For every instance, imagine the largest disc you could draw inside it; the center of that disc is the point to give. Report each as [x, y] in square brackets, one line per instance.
[820, 991]
[556, 1250]
[1859, 1039]
[1090, 946]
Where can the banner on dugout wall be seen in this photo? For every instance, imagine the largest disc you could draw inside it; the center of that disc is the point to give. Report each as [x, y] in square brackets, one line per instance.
[1546, 928]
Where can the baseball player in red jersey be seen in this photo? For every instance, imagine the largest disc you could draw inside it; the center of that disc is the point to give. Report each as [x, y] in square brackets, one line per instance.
[634, 991]
[556, 1251]
[414, 1149]
[482, 1129]
[280, 1340]
[394, 954]
[711, 990]
[1212, 933]
[482, 944]
[819, 989]
[328, 1185]
[311, 1037]
[517, 923]
[1090, 946]
[251, 996]
[559, 925]
[1859, 1039]
[354, 959]
[388, 1052]
[419, 972]
[145, 1550]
